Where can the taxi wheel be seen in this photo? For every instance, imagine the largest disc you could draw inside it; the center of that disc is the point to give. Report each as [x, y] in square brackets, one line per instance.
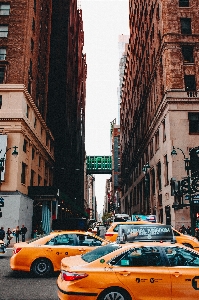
[114, 293]
[42, 267]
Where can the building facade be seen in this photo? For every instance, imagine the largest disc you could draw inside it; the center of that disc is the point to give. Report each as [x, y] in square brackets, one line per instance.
[41, 115]
[24, 66]
[160, 109]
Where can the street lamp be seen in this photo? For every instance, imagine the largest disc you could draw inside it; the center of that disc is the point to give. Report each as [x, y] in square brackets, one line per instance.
[186, 159]
[145, 171]
[189, 185]
[2, 159]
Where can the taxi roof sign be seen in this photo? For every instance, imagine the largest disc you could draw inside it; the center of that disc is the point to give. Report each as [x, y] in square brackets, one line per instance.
[145, 232]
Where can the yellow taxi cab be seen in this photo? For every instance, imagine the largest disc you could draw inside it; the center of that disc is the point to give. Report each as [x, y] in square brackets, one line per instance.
[2, 248]
[187, 240]
[158, 270]
[43, 255]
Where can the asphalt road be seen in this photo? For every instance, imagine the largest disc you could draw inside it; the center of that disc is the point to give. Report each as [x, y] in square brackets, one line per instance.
[23, 286]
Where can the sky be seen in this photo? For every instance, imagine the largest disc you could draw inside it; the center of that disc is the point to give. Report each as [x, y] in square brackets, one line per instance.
[103, 22]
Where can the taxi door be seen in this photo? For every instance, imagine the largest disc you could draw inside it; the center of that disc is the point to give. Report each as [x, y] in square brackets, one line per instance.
[144, 274]
[146, 283]
[184, 283]
[184, 270]
[62, 246]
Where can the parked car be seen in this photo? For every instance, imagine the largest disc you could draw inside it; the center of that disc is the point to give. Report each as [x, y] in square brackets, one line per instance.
[187, 240]
[43, 255]
[131, 271]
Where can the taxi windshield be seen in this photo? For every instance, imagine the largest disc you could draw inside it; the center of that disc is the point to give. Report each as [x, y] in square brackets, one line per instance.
[99, 252]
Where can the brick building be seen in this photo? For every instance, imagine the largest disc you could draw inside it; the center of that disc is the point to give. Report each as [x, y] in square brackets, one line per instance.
[160, 109]
[27, 30]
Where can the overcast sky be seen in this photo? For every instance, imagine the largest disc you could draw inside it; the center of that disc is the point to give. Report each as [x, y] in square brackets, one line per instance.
[103, 22]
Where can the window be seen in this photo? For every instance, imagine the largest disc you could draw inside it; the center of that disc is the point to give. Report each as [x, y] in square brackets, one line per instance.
[181, 257]
[193, 123]
[190, 82]
[33, 153]
[139, 257]
[25, 145]
[23, 173]
[31, 45]
[2, 74]
[33, 24]
[4, 9]
[35, 6]
[187, 53]
[63, 239]
[157, 140]
[164, 130]
[39, 180]
[3, 30]
[32, 178]
[183, 3]
[166, 166]
[185, 25]
[35, 123]
[159, 175]
[27, 111]
[39, 161]
[2, 53]
[87, 240]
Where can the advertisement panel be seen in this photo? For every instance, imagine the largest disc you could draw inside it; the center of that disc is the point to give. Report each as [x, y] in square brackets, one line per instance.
[145, 232]
[149, 218]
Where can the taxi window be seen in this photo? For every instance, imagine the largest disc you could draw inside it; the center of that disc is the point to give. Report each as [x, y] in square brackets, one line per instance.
[116, 228]
[88, 240]
[99, 252]
[62, 239]
[139, 257]
[181, 257]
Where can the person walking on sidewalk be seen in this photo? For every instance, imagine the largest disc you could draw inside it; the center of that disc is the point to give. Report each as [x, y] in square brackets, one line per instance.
[23, 232]
[9, 237]
[17, 233]
[2, 233]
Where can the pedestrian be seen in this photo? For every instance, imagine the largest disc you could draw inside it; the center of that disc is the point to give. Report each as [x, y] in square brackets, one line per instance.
[183, 229]
[9, 237]
[188, 230]
[17, 233]
[23, 232]
[2, 233]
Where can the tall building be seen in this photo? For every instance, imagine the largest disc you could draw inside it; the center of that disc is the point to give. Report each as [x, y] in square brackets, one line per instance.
[123, 41]
[160, 111]
[42, 101]
[66, 102]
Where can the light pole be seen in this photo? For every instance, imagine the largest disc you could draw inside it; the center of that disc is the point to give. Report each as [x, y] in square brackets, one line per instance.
[146, 184]
[2, 159]
[189, 185]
